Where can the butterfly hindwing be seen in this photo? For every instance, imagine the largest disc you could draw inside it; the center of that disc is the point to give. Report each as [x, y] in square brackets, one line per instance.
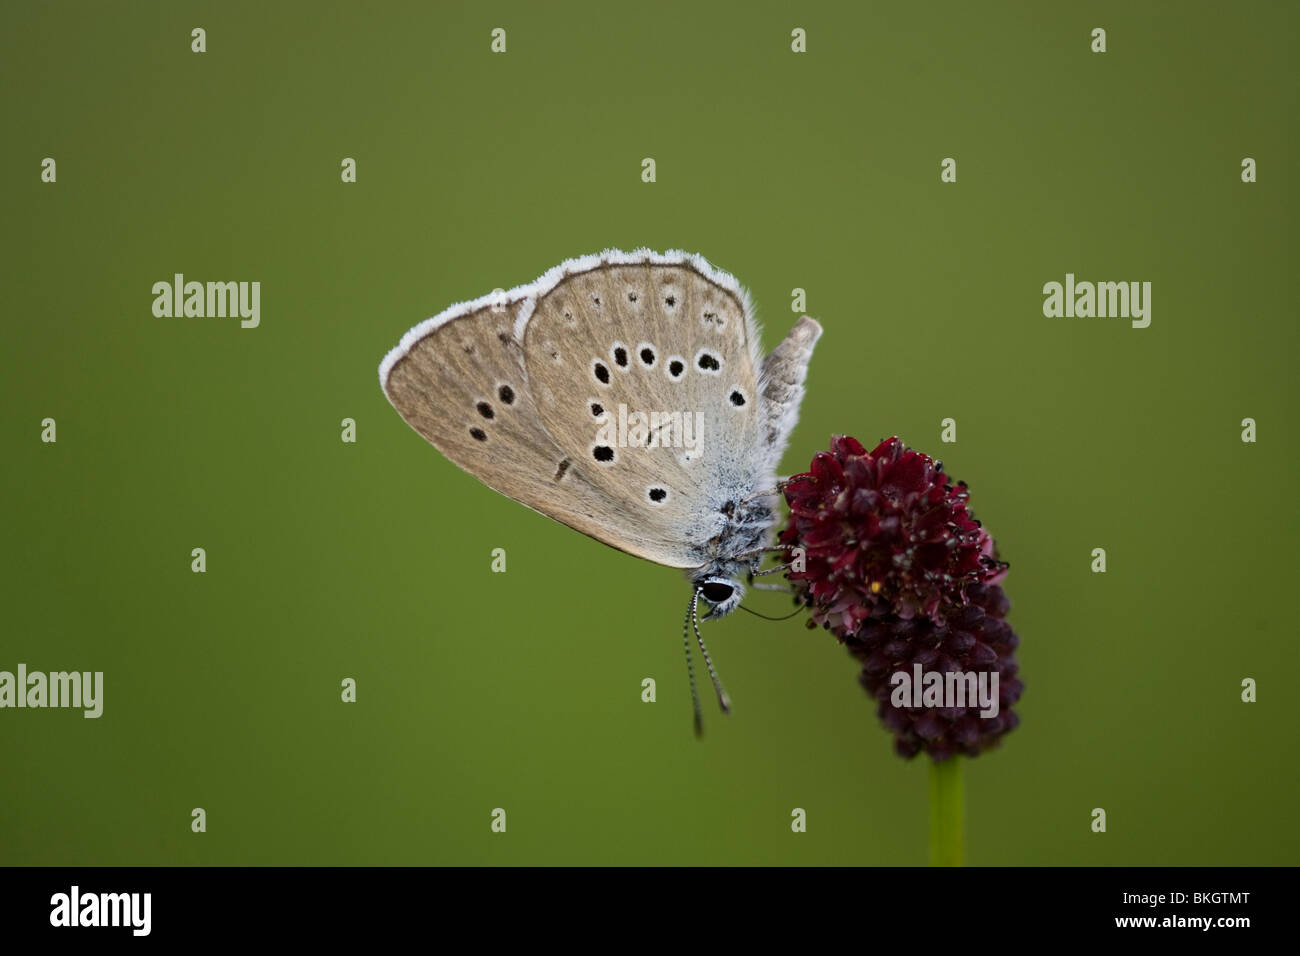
[644, 370]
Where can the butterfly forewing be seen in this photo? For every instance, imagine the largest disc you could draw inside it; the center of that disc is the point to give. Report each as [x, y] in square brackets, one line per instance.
[460, 382]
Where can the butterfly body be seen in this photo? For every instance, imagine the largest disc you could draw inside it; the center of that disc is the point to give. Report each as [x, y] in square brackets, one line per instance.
[624, 394]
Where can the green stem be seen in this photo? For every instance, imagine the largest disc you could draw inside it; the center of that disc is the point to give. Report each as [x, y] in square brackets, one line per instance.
[947, 814]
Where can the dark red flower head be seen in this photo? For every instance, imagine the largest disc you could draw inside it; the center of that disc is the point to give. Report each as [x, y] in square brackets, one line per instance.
[896, 566]
[884, 526]
[974, 639]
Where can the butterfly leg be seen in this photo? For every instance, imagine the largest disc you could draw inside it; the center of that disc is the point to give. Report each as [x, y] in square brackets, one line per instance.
[760, 586]
[771, 492]
[755, 552]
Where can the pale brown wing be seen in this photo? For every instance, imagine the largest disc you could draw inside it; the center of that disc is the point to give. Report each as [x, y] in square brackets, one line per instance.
[458, 380]
[662, 336]
[504, 387]
[460, 383]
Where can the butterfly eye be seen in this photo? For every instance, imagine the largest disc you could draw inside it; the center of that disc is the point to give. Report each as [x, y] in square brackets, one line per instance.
[715, 592]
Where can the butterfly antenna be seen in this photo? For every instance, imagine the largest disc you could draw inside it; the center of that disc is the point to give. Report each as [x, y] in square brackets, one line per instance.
[690, 666]
[723, 700]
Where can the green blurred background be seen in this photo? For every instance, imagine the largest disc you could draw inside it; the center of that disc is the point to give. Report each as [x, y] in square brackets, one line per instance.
[522, 690]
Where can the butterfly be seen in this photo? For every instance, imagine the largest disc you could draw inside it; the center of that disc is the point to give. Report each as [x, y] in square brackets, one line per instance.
[626, 395]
